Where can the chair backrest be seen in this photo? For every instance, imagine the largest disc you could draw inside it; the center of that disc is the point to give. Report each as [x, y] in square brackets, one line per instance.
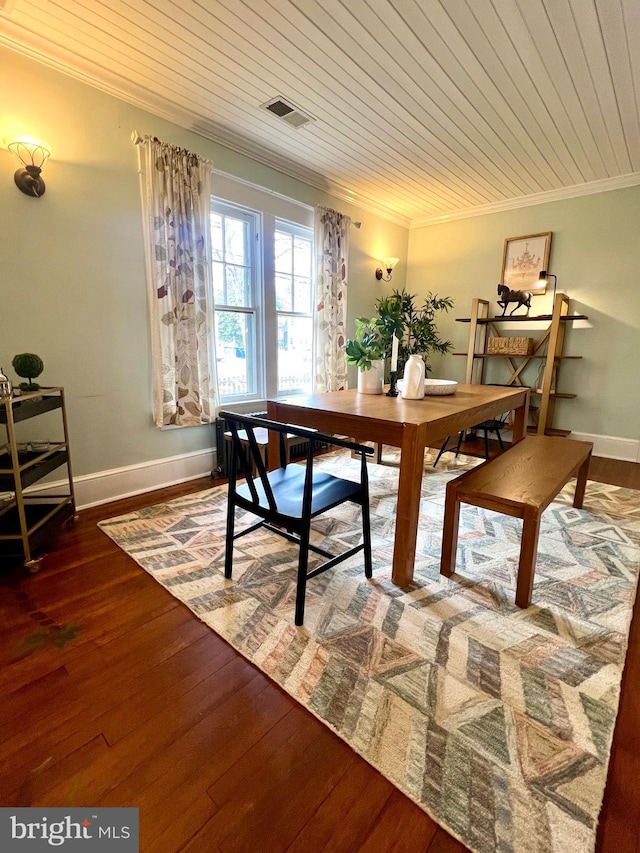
[249, 423]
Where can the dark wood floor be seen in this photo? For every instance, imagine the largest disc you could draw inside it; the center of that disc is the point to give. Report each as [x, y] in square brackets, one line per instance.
[113, 693]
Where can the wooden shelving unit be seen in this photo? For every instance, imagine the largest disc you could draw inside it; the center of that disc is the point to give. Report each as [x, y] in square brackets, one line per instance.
[547, 349]
[27, 521]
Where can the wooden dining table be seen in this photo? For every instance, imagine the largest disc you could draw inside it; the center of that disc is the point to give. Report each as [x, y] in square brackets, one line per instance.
[410, 425]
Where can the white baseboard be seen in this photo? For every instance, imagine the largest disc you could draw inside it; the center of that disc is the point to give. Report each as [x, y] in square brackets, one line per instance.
[105, 486]
[625, 449]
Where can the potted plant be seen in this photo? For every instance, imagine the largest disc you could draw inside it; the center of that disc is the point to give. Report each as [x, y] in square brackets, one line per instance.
[367, 350]
[29, 366]
[414, 325]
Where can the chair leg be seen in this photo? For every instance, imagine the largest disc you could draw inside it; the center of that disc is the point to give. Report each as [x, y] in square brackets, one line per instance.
[459, 444]
[366, 537]
[303, 562]
[442, 450]
[228, 551]
[500, 441]
[486, 443]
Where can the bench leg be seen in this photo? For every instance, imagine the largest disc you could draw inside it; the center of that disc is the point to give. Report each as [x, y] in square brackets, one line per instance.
[583, 472]
[450, 531]
[528, 554]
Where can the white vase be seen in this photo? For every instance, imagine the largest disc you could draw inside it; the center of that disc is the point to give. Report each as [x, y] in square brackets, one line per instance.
[371, 381]
[413, 380]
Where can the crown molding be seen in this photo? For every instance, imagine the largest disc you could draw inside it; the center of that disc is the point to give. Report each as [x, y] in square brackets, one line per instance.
[603, 185]
[33, 46]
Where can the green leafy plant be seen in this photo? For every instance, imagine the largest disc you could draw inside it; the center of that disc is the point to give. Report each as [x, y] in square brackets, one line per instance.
[29, 365]
[413, 324]
[370, 343]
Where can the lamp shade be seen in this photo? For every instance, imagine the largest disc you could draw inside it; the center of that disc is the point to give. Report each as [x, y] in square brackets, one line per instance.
[390, 263]
[30, 151]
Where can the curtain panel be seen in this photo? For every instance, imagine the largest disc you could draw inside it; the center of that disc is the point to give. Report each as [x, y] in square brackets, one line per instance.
[332, 242]
[176, 200]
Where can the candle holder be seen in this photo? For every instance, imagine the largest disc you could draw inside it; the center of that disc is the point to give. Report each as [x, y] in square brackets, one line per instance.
[393, 391]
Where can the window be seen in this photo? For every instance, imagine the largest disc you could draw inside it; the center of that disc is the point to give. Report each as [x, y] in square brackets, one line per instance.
[293, 247]
[263, 282]
[235, 276]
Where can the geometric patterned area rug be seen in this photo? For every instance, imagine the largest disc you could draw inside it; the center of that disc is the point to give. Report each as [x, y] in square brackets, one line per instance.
[497, 721]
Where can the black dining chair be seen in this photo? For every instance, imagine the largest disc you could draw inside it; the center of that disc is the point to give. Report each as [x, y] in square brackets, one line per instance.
[288, 498]
[491, 425]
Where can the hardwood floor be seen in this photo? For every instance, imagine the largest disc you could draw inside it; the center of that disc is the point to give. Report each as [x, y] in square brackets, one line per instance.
[113, 693]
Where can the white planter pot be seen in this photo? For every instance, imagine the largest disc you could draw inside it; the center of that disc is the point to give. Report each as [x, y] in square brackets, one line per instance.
[371, 381]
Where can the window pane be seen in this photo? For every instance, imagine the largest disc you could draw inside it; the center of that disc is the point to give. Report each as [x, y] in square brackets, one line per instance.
[235, 333]
[216, 237]
[218, 284]
[302, 257]
[283, 293]
[283, 253]
[236, 241]
[294, 354]
[238, 286]
[302, 295]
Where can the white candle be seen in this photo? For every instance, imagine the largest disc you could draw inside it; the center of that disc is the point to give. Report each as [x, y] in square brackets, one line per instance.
[394, 354]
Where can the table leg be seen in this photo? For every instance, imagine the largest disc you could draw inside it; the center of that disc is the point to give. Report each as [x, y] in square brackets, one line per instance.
[411, 470]
[450, 530]
[520, 418]
[273, 448]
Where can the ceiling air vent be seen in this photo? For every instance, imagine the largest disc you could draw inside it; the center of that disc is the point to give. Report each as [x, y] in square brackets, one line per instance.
[287, 112]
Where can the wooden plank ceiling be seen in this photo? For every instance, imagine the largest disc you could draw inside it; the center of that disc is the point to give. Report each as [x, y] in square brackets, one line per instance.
[423, 109]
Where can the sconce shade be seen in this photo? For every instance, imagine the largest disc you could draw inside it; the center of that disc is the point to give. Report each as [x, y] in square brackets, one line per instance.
[543, 278]
[33, 155]
[389, 264]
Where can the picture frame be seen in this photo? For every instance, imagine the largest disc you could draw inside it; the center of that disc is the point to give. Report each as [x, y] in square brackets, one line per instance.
[522, 260]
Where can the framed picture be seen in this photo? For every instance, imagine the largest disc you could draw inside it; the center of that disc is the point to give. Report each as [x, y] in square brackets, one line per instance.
[522, 260]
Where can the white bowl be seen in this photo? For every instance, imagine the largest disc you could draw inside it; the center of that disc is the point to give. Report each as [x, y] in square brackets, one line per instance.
[439, 386]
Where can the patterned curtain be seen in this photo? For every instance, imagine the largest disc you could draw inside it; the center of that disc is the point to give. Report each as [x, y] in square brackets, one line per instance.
[176, 198]
[332, 242]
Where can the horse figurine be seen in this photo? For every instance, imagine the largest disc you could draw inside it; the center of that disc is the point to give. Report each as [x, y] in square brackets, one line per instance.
[506, 295]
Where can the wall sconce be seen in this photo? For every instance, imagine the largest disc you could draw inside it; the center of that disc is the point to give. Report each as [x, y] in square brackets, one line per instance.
[389, 264]
[33, 155]
[543, 278]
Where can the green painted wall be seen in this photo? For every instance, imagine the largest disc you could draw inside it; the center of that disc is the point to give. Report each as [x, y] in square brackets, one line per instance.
[595, 252]
[72, 284]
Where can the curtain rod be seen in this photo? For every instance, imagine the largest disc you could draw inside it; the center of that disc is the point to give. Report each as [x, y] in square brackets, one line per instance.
[344, 216]
[138, 139]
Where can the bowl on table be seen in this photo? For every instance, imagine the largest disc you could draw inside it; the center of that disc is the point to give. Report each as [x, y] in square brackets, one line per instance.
[439, 386]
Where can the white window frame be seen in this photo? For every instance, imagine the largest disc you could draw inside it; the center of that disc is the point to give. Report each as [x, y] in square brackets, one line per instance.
[270, 207]
[306, 233]
[255, 359]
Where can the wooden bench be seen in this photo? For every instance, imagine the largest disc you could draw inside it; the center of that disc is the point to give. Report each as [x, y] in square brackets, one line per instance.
[521, 482]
